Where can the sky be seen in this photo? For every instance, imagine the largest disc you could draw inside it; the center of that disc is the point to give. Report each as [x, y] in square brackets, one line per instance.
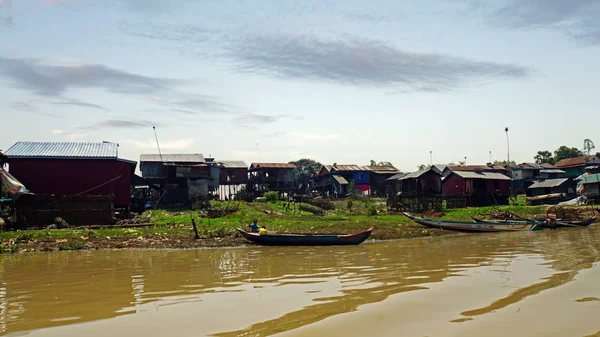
[275, 81]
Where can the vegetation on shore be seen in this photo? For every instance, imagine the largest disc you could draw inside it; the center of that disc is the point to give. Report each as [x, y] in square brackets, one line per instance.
[173, 229]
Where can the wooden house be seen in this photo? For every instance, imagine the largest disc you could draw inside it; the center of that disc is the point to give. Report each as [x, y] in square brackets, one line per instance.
[425, 182]
[574, 167]
[551, 186]
[265, 177]
[480, 188]
[379, 179]
[233, 175]
[181, 178]
[589, 185]
[334, 180]
[525, 174]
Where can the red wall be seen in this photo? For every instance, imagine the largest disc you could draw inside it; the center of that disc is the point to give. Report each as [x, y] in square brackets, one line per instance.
[74, 176]
[453, 185]
[456, 185]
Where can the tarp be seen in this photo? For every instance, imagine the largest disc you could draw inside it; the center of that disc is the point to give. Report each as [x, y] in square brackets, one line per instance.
[12, 185]
[582, 200]
[363, 187]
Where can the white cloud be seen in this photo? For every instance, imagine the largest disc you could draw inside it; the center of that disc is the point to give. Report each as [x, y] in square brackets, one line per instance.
[314, 136]
[70, 135]
[150, 144]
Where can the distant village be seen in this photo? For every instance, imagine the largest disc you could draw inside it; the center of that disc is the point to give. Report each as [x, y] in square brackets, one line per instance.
[90, 182]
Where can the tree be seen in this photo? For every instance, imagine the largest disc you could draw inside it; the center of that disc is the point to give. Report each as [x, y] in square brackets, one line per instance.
[424, 167]
[588, 146]
[503, 162]
[565, 152]
[381, 163]
[304, 172]
[544, 157]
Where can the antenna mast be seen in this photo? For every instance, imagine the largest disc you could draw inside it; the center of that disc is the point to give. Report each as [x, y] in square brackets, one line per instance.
[157, 144]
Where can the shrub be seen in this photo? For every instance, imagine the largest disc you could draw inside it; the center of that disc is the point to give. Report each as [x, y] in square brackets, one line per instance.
[349, 205]
[244, 195]
[371, 210]
[321, 203]
[311, 209]
[272, 196]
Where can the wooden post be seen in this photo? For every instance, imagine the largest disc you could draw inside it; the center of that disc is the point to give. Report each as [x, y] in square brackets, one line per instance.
[196, 236]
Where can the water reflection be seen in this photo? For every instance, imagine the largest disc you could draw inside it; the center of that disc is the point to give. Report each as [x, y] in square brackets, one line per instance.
[49, 290]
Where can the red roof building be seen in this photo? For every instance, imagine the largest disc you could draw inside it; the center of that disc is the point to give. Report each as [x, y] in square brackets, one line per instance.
[69, 168]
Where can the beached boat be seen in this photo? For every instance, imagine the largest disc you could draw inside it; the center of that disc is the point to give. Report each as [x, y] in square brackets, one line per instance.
[557, 224]
[305, 239]
[474, 226]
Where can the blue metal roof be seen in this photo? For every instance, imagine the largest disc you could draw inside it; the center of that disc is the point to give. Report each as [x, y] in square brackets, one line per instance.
[77, 150]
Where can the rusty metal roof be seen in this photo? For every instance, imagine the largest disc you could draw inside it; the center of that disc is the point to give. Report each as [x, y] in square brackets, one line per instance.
[574, 162]
[232, 163]
[548, 183]
[272, 165]
[173, 158]
[74, 150]
[382, 169]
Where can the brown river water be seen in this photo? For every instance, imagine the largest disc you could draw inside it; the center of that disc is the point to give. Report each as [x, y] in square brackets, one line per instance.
[543, 283]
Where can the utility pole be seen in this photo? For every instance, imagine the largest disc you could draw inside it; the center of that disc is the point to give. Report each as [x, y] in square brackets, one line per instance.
[507, 145]
[430, 158]
[490, 156]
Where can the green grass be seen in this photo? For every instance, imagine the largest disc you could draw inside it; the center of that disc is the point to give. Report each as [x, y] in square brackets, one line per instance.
[273, 215]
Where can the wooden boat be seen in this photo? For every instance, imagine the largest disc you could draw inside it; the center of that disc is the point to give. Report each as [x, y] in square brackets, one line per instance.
[306, 239]
[544, 224]
[474, 226]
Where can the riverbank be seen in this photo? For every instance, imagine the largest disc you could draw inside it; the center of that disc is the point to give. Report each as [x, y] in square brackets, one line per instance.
[173, 229]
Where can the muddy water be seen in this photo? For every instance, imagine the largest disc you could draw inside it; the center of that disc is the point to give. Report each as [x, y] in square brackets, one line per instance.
[544, 283]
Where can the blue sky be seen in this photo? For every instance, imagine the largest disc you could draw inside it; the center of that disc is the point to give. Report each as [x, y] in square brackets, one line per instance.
[336, 81]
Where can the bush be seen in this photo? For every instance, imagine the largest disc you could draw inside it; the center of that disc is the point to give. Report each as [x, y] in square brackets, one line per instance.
[349, 205]
[244, 195]
[311, 209]
[321, 203]
[272, 196]
[371, 210]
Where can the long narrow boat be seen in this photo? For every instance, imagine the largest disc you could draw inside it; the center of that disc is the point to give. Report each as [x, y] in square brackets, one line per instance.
[474, 226]
[303, 239]
[544, 224]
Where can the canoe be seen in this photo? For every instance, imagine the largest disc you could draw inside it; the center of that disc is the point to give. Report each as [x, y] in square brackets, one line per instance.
[544, 224]
[303, 239]
[474, 227]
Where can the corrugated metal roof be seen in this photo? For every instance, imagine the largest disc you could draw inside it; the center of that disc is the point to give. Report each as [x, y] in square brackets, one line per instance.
[589, 178]
[397, 176]
[475, 168]
[232, 163]
[414, 175]
[481, 175]
[574, 162]
[272, 165]
[351, 167]
[79, 150]
[382, 169]
[552, 171]
[173, 158]
[341, 180]
[548, 183]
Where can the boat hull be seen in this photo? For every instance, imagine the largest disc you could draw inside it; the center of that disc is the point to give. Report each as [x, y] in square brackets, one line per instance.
[306, 239]
[543, 224]
[474, 227]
